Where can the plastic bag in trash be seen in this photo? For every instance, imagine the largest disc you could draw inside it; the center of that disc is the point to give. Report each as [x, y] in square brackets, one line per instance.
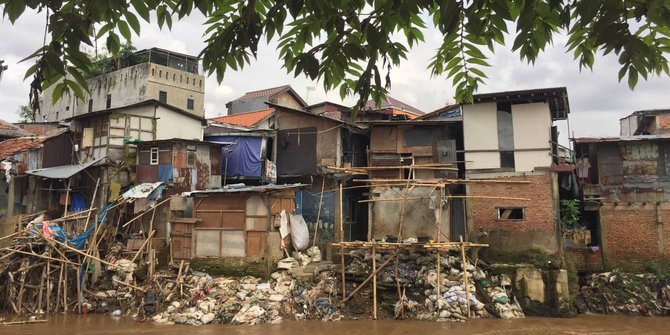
[299, 232]
[314, 253]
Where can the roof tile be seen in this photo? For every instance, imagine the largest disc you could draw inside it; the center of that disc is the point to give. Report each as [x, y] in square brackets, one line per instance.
[245, 119]
[17, 145]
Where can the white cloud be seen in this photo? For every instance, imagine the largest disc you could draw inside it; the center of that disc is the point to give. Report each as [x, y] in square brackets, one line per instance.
[597, 100]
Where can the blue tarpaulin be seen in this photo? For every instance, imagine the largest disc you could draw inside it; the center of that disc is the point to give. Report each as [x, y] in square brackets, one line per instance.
[59, 235]
[242, 157]
[165, 173]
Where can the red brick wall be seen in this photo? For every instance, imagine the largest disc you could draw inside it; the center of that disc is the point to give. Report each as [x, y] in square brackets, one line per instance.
[535, 232]
[538, 211]
[631, 233]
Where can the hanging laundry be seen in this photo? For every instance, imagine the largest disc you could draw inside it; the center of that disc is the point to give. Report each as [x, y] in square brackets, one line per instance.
[583, 167]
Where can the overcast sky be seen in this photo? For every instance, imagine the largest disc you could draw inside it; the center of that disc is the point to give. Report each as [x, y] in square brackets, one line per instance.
[597, 100]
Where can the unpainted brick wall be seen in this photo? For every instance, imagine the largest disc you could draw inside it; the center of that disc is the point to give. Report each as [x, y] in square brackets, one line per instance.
[632, 233]
[538, 211]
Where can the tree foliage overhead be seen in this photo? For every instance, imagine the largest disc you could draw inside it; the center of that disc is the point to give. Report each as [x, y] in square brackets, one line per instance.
[352, 45]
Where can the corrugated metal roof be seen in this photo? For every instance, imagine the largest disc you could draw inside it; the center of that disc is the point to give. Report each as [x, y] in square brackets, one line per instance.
[142, 191]
[245, 119]
[63, 171]
[622, 138]
[392, 103]
[557, 97]
[257, 189]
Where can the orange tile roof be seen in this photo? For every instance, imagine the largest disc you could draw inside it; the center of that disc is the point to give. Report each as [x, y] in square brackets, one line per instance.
[17, 145]
[245, 119]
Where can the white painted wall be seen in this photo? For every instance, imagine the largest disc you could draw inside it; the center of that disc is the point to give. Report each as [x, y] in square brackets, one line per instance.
[532, 130]
[129, 86]
[171, 124]
[480, 129]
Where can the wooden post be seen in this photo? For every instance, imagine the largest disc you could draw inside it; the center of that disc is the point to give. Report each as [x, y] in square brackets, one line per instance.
[41, 289]
[67, 196]
[65, 289]
[79, 294]
[439, 232]
[374, 282]
[361, 285]
[151, 229]
[344, 287]
[60, 283]
[465, 276]
[48, 287]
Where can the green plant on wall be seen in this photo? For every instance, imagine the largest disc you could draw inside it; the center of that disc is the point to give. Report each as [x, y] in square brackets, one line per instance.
[571, 215]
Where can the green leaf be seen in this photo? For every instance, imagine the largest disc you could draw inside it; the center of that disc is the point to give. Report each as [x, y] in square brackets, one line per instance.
[632, 77]
[124, 30]
[133, 22]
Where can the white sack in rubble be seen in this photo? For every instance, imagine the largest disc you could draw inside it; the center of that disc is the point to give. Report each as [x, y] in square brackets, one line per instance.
[284, 229]
[299, 232]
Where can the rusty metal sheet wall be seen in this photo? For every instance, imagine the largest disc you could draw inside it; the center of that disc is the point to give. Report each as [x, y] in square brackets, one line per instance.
[202, 163]
[640, 150]
[57, 151]
[147, 173]
[296, 151]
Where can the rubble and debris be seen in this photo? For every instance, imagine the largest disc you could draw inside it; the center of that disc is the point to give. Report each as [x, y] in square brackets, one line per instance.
[624, 293]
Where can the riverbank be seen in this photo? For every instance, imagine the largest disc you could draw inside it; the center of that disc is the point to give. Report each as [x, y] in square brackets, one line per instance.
[582, 324]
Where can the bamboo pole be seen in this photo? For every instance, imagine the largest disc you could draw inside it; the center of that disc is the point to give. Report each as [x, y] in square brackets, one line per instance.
[392, 199]
[465, 277]
[67, 196]
[95, 193]
[151, 234]
[83, 253]
[361, 285]
[79, 294]
[48, 302]
[147, 211]
[151, 229]
[439, 231]
[41, 288]
[10, 235]
[344, 284]
[65, 290]
[129, 285]
[11, 323]
[318, 213]
[40, 256]
[484, 197]
[374, 282]
[60, 283]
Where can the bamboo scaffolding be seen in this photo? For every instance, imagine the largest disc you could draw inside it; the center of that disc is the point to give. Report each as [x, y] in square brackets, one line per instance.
[41, 256]
[147, 211]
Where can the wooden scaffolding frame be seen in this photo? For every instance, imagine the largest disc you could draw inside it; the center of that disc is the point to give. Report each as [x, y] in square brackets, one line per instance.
[438, 245]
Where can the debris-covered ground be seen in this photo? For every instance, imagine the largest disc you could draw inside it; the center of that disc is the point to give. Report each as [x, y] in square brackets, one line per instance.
[625, 293]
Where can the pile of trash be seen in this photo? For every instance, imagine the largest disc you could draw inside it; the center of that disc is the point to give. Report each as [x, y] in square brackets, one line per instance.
[196, 298]
[632, 294]
[414, 276]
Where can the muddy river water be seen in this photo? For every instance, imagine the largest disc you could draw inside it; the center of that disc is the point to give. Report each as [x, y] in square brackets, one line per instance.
[584, 324]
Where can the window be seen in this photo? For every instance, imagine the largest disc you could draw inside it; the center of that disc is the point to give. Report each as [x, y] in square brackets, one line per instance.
[90, 105]
[108, 105]
[189, 104]
[507, 159]
[162, 96]
[511, 213]
[154, 156]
